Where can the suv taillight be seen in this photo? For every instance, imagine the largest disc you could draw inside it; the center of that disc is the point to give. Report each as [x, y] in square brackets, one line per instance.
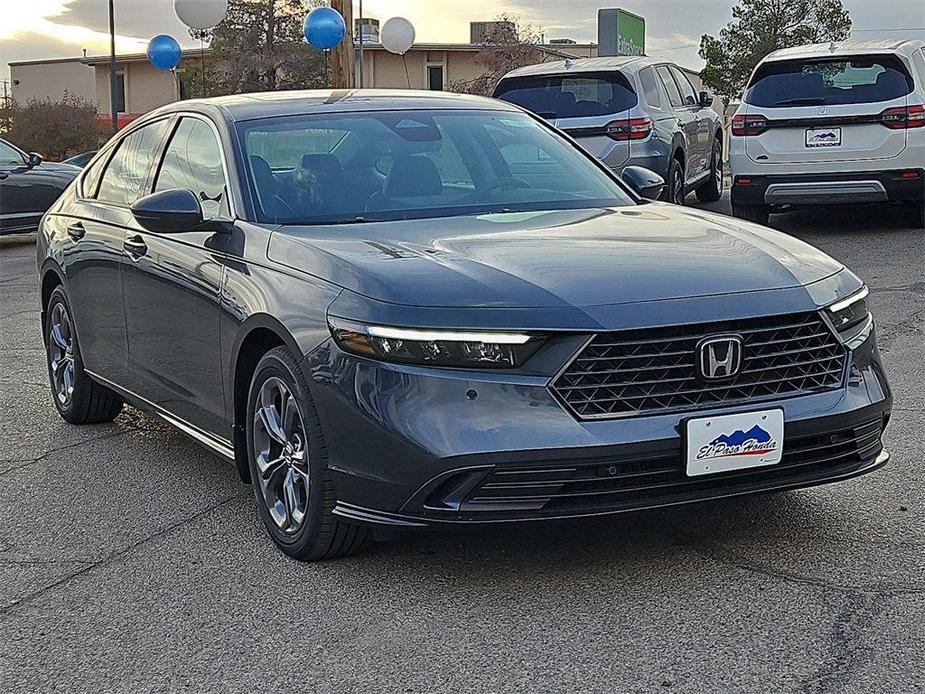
[631, 129]
[749, 124]
[903, 117]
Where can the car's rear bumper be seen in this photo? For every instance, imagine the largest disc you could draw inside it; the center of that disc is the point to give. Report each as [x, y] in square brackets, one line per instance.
[895, 185]
[413, 446]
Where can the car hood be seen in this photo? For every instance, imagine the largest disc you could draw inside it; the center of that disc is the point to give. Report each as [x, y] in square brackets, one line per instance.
[578, 258]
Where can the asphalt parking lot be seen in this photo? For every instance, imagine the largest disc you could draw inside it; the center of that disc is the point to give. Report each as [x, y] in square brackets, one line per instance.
[133, 560]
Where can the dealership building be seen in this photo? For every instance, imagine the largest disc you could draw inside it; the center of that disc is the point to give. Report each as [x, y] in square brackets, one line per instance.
[140, 87]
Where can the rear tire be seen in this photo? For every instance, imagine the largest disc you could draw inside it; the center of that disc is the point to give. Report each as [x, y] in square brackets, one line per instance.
[676, 190]
[758, 214]
[712, 190]
[78, 398]
[289, 466]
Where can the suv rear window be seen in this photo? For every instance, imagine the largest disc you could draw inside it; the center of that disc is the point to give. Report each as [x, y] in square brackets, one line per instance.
[570, 96]
[829, 81]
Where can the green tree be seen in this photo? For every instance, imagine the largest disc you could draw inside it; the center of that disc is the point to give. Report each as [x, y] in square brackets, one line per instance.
[259, 46]
[759, 27]
[56, 128]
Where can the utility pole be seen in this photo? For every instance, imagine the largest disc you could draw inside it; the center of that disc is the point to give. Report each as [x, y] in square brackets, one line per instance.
[342, 58]
[112, 68]
[361, 45]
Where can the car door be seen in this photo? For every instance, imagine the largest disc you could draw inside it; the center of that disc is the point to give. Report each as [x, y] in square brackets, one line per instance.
[683, 115]
[172, 286]
[697, 127]
[26, 191]
[93, 259]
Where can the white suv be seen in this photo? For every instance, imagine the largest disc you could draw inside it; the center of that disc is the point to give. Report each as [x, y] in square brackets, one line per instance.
[831, 123]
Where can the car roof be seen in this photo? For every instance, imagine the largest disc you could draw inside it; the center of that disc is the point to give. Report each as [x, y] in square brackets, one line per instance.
[836, 48]
[617, 62]
[242, 107]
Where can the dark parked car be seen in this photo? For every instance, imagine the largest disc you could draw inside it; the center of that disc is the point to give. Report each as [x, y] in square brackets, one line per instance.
[28, 187]
[408, 309]
[630, 111]
[81, 159]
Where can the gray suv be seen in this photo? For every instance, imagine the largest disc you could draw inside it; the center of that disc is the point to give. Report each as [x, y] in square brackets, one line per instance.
[629, 111]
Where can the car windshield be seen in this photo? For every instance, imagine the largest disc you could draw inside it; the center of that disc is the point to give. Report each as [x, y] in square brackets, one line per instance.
[10, 155]
[378, 166]
[570, 96]
[829, 82]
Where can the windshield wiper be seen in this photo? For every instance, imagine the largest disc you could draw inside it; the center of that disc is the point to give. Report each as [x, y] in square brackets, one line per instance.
[802, 101]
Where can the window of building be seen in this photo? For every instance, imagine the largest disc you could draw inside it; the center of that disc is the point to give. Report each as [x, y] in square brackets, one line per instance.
[435, 77]
[120, 92]
[193, 160]
[128, 169]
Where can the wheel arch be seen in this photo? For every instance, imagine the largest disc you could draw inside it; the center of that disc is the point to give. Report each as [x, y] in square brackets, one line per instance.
[257, 335]
[51, 278]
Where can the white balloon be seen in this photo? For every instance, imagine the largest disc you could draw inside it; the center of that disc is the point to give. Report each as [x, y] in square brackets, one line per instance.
[397, 35]
[201, 14]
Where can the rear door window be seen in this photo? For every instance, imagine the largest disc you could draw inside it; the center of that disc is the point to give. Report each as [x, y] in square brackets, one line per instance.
[829, 81]
[128, 169]
[674, 94]
[570, 96]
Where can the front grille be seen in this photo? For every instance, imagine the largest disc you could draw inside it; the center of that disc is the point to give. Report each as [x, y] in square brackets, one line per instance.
[577, 486]
[653, 370]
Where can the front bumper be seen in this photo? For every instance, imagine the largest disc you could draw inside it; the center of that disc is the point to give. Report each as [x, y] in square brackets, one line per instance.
[412, 446]
[825, 189]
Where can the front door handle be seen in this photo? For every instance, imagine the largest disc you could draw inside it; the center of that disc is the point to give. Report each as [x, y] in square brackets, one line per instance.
[135, 246]
[76, 231]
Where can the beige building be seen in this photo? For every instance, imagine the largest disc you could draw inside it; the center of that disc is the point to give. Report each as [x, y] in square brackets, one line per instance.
[142, 87]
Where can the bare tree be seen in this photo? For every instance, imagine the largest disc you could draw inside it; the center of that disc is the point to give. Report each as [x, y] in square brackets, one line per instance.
[57, 128]
[507, 45]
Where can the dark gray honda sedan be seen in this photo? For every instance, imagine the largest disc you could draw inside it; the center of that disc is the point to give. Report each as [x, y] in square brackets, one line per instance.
[408, 309]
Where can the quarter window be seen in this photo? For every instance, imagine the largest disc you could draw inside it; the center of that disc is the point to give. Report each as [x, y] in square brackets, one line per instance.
[91, 178]
[125, 176]
[688, 94]
[674, 94]
[650, 90]
[193, 160]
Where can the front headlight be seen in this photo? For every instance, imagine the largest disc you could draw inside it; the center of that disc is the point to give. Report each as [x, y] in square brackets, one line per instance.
[457, 348]
[850, 312]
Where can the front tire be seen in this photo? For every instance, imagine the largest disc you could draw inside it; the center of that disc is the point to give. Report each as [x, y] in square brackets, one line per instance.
[712, 189]
[759, 214]
[78, 398]
[288, 463]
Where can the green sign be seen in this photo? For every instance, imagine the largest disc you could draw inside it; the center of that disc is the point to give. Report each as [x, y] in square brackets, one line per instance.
[620, 33]
[631, 33]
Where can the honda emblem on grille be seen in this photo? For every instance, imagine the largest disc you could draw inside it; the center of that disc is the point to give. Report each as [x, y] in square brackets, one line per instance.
[719, 357]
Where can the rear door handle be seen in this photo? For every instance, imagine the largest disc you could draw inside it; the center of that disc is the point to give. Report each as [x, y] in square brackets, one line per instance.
[76, 231]
[135, 246]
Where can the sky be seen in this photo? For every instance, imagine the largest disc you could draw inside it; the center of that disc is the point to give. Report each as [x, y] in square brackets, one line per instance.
[38, 29]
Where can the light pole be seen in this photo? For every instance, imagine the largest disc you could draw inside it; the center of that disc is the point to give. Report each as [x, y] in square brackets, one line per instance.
[112, 68]
[361, 44]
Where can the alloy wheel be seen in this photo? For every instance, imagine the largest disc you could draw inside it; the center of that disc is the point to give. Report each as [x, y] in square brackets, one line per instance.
[61, 354]
[718, 169]
[677, 186]
[280, 450]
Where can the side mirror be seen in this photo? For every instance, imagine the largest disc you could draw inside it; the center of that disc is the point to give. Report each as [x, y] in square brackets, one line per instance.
[706, 99]
[34, 160]
[645, 182]
[169, 211]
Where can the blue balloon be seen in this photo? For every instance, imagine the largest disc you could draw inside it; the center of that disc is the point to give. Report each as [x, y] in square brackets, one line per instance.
[324, 27]
[164, 52]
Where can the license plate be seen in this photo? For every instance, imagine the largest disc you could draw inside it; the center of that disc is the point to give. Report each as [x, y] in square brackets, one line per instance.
[734, 441]
[823, 137]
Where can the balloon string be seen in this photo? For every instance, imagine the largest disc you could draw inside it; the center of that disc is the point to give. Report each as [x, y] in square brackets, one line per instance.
[407, 76]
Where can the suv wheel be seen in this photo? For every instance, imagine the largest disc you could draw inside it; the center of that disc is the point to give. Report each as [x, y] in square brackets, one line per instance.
[79, 399]
[288, 463]
[712, 189]
[676, 192]
[752, 213]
